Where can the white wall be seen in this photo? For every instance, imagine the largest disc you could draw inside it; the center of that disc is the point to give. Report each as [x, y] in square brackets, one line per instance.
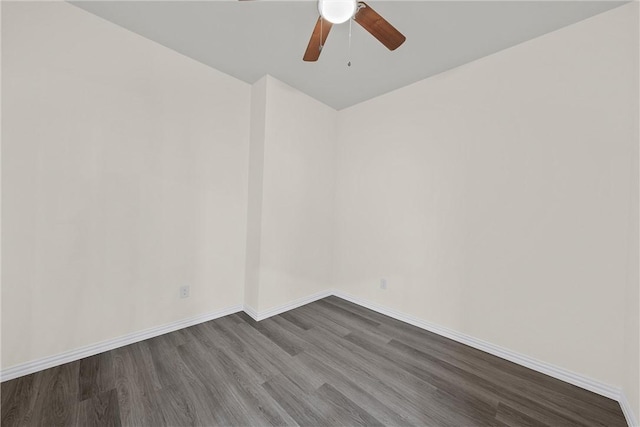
[631, 363]
[124, 176]
[297, 194]
[256, 172]
[495, 197]
[631, 383]
[0, 189]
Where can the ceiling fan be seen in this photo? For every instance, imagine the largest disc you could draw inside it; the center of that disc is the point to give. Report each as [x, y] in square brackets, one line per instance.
[340, 11]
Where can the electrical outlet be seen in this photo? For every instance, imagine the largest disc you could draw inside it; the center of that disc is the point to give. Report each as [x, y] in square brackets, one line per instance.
[184, 291]
[383, 283]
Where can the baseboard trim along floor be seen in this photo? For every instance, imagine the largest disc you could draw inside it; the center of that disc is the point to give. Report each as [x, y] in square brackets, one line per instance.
[559, 373]
[274, 311]
[632, 421]
[562, 374]
[93, 349]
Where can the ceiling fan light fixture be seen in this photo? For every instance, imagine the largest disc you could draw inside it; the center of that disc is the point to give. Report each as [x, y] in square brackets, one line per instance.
[337, 11]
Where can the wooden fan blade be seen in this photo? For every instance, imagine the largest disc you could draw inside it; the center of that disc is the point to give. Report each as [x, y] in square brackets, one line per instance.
[378, 26]
[318, 37]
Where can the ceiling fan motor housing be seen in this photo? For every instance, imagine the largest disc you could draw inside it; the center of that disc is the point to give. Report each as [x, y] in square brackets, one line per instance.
[337, 11]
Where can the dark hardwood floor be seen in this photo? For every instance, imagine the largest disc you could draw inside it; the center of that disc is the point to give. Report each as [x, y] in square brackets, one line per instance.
[327, 363]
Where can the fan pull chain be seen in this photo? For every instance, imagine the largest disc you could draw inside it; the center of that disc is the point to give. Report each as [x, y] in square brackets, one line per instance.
[349, 52]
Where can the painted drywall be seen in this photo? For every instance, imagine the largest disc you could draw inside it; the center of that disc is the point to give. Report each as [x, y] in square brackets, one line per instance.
[631, 384]
[631, 363]
[254, 213]
[494, 198]
[0, 188]
[124, 176]
[297, 198]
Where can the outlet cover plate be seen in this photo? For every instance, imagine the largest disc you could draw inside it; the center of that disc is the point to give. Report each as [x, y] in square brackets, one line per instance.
[184, 291]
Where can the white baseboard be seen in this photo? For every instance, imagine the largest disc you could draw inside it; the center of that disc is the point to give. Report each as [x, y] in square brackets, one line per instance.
[92, 349]
[504, 353]
[562, 374]
[632, 421]
[261, 315]
[252, 312]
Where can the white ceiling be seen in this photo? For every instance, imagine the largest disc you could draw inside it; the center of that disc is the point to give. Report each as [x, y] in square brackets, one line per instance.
[249, 39]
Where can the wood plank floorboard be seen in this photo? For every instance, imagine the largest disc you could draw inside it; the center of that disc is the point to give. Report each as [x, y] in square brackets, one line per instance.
[328, 363]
